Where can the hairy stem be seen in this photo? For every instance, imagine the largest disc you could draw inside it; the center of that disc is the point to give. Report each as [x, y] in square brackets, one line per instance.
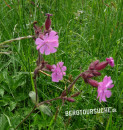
[16, 39]
[65, 92]
[47, 101]
[26, 117]
[36, 89]
[44, 73]
[71, 85]
[41, 103]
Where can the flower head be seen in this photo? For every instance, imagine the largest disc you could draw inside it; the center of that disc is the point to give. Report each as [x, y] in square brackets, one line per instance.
[58, 72]
[48, 43]
[103, 87]
[110, 61]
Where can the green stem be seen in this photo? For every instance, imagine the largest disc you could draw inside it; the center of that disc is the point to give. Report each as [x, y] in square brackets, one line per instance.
[26, 117]
[16, 39]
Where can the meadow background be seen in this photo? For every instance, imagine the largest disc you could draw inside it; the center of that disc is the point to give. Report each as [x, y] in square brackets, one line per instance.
[88, 30]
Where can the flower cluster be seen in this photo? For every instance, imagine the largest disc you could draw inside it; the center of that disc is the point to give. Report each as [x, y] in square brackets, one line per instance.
[93, 71]
[47, 41]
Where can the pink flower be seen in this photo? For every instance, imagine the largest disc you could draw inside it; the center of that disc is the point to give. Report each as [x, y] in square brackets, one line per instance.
[110, 61]
[48, 43]
[103, 87]
[58, 72]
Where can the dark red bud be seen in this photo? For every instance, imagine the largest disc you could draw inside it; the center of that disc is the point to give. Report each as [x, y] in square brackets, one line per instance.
[76, 94]
[48, 22]
[69, 99]
[92, 82]
[93, 64]
[37, 29]
[101, 65]
[84, 75]
[90, 75]
[64, 93]
[96, 73]
[49, 67]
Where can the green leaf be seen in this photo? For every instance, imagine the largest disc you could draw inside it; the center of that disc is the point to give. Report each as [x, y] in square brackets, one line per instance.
[109, 123]
[32, 95]
[12, 106]
[1, 92]
[3, 122]
[6, 100]
[45, 109]
[20, 96]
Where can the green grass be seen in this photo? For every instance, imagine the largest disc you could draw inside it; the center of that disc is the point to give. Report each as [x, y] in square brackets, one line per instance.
[88, 30]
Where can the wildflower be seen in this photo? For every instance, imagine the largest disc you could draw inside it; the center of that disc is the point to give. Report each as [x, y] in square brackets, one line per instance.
[48, 43]
[103, 87]
[110, 61]
[58, 72]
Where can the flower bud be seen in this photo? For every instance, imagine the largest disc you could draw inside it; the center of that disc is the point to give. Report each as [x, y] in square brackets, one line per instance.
[76, 94]
[92, 82]
[49, 67]
[96, 73]
[84, 75]
[65, 92]
[48, 22]
[69, 99]
[93, 64]
[90, 75]
[101, 65]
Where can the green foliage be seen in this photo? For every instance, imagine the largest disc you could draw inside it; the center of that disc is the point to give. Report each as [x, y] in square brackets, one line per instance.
[88, 30]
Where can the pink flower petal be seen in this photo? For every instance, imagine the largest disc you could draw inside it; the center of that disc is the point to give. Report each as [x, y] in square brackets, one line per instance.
[48, 44]
[103, 98]
[60, 64]
[64, 73]
[110, 61]
[39, 46]
[52, 50]
[53, 43]
[55, 77]
[47, 50]
[57, 72]
[111, 86]
[52, 34]
[39, 41]
[42, 49]
[103, 93]
[108, 93]
[64, 68]
[100, 97]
